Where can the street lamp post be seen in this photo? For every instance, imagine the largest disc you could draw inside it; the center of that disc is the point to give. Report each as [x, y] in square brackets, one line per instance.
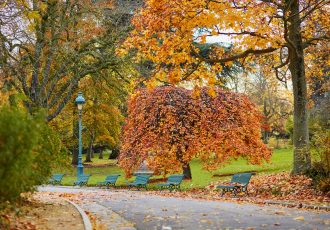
[80, 100]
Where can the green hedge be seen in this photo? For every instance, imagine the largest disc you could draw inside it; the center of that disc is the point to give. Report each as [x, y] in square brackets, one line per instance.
[28, 151]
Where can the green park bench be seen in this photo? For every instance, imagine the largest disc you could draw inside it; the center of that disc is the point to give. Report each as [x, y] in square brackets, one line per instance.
[238, 183]
[110, 180]
[82, 180]
[140, 181]
[173, 182]
[56, 179]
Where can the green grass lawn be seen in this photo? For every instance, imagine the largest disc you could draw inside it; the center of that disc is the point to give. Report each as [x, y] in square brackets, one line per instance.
[280, 161]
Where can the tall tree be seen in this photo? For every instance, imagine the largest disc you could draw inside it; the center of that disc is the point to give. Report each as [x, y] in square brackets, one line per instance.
[48, 46]
[102, 113]
[166, 31]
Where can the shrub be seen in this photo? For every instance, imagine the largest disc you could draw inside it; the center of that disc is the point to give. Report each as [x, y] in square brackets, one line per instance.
[324, 184]
[28, 151]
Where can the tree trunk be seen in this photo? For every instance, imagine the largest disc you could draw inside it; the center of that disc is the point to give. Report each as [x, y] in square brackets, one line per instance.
[101, 155]
[90, 151]
[277, 142]
[186, 171]
[265, 136]
[114, 153]
[74, 155]
[302, 159]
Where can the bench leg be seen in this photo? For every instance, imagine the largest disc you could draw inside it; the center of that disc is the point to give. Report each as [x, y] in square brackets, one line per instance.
[223, 191]
[235, 192]
[246, 191]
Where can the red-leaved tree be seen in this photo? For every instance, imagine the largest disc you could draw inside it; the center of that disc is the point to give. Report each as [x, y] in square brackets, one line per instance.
[168, 127]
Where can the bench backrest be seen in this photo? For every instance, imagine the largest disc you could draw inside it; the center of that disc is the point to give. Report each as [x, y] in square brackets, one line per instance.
[84, 178]
[112, 178]
[58, 177]
[142, 179]
[175, 179]
[242, 178]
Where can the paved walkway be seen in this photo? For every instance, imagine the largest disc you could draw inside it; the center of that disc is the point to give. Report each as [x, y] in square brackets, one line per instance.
[147, 211]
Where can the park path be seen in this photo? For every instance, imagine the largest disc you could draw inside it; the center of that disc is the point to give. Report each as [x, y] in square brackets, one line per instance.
[120, 208]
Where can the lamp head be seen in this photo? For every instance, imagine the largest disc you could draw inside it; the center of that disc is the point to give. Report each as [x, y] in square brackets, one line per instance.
[80, 100]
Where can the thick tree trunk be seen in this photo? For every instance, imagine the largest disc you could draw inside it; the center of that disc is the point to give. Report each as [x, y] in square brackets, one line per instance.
[302, 159]
[187, 171]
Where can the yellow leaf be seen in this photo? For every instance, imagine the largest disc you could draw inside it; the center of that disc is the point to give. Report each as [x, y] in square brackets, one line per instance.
[33, 15]
[301, 218]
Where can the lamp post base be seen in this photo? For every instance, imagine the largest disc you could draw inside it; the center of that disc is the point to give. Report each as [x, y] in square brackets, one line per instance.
[80, 170]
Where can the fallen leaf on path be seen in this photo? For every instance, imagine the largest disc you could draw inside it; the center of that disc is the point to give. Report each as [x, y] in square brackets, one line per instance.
[280, 213]
[299, 218]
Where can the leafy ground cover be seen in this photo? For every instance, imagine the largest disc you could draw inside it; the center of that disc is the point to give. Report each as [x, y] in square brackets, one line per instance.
[41, 212]
[99, 168]
[275, 186]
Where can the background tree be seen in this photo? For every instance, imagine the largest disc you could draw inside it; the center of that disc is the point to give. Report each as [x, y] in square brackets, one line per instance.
[102, 114]
[48, 46]
[168, 127]
[165, 33]
[273, 100]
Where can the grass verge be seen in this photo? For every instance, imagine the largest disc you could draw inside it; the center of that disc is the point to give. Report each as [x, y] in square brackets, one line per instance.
[281, 161]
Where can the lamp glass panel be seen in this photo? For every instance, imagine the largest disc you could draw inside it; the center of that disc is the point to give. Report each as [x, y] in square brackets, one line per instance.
[80, 106]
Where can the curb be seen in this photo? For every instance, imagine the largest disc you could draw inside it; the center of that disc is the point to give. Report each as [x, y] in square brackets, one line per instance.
[87, 222]
[298, 205]
[107, 217]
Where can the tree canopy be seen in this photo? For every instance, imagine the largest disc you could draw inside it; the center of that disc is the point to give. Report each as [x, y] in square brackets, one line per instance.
[168, 127]
[47, 47]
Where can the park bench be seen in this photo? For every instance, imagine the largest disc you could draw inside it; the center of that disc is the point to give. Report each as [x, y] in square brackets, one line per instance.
[82, 180]
[140, 181]
[238, 183]
[173, 182]
[110, 180]
[56, 179]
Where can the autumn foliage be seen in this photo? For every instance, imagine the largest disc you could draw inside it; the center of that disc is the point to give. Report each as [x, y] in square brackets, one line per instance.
[169, 126]
[282, 36]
